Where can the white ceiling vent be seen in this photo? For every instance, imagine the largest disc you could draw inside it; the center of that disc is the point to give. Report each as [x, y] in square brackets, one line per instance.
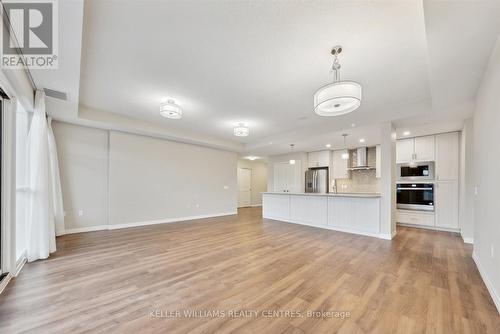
[56, 94]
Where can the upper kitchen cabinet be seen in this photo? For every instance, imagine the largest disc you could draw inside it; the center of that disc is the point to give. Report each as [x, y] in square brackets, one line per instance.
[318, 159]
[447, 159]
[339, 169]
[404, 151]
[424, 148]
[415, 150]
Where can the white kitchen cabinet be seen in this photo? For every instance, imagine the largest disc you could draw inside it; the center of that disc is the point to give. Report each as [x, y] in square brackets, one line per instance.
[276, 206]
[287, 177]
[446, 204]
[309, 210]
[404, 151]
[354, 214]
[415, 217]
[378, 162]
[415, 150]
[447, 156]
[339, 166]
[424, 149]
[318, 159]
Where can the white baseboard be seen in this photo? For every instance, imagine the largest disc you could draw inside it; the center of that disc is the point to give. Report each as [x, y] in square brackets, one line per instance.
[434, 228]
[144, 223]
[85, 229]
[491, 289]
[467, 240]
[336, 228]
[20, 264]
[4, 282]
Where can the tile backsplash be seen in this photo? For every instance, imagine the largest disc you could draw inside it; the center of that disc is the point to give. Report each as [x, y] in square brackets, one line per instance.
[361, 181]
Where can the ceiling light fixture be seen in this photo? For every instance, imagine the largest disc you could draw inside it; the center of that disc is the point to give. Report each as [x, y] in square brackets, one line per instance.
[345, 155]
[362, 140]
[406, 133]
[252, 157]
[241, 130]
[339, 97]
[170, 109]
[328, 145]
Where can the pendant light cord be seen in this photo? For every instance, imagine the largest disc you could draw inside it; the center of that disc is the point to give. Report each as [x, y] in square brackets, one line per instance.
[336, 69]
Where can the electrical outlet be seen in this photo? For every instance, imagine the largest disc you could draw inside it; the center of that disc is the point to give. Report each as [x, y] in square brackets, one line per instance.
[80, 212]
[492, 251]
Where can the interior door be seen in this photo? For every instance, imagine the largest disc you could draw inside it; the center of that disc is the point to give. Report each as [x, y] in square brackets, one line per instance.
[244, 187]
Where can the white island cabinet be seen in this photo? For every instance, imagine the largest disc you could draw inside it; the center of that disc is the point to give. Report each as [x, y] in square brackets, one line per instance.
[352, 213]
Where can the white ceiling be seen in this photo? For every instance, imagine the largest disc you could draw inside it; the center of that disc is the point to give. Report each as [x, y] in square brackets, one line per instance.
[419, 62]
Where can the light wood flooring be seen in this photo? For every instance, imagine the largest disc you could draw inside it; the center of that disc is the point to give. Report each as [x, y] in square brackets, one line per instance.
[135, 280]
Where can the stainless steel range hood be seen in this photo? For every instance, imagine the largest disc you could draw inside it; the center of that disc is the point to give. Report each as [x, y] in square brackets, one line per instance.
[361, 161]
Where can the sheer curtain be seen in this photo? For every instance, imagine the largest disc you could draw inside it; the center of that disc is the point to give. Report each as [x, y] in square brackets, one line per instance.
[44, 206]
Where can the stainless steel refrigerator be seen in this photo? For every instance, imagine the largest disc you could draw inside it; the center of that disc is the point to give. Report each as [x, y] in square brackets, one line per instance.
[317, 180]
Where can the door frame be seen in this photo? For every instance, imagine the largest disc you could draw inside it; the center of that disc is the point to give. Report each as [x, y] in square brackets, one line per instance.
[8, 191]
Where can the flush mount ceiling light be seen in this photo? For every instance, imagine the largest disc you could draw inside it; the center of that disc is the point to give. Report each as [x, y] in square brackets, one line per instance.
[339, 97]
[252, 157]
[328, 145]
[406, 133]
[170, 109]
[241, 130]
[362, 140]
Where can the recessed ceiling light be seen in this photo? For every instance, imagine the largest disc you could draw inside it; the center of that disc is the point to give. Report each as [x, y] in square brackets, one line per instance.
[362, 140]
[170, 109]
[406, 133]
[252, 157]
[328, 145]
[241, 130]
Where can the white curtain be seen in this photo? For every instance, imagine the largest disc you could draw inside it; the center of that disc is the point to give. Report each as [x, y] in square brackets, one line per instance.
[45, 203]
[55, 180]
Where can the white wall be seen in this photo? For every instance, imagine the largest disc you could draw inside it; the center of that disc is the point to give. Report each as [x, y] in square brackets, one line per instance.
[487, 176]
[298, 156]
[153, 179]
[83, 165]
[259, 178]
[466, 216]
[149, 179]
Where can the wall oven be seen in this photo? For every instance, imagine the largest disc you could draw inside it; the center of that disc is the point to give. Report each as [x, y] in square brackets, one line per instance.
[415, 196]
[416, 171]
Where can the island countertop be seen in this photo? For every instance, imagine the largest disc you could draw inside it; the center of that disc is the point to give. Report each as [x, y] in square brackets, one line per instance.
[361, 195]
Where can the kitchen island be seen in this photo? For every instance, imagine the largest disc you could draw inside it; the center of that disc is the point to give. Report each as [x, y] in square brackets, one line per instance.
[357, 213]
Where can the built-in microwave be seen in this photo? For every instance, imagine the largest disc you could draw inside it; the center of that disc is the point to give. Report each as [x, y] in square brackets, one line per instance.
[416, 171]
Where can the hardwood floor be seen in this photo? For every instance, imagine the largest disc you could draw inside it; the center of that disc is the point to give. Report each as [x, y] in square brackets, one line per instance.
[126, 281]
